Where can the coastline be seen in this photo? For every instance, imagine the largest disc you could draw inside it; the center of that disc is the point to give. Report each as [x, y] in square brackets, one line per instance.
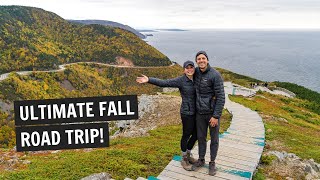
[287, 56]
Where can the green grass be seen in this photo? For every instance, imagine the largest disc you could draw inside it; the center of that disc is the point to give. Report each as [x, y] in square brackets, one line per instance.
[237, 78]
[259, 175]
[225, 121]
[126, 157]
[299, 135]
[312, 97]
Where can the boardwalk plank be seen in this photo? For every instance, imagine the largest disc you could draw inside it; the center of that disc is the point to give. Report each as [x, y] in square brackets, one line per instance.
[203, 172]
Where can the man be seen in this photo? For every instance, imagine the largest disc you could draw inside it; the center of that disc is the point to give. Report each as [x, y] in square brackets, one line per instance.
[210, 99]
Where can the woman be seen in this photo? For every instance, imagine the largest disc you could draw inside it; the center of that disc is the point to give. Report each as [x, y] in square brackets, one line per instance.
[188, 108]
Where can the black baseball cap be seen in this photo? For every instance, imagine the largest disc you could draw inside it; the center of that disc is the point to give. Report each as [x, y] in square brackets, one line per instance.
[185, 64]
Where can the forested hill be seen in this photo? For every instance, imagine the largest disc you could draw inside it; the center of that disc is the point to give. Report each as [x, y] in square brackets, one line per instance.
[31, 38]
[110, 23]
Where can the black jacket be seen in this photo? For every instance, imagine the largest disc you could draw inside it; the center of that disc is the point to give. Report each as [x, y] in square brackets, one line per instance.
[210, 92]
[187, 91]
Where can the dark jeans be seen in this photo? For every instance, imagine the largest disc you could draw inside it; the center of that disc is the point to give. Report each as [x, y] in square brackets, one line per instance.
[189, 132]
[202, 130]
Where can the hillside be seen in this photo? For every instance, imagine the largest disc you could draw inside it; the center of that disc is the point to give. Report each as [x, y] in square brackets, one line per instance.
[31, 38]
[285, 119]
[140, 155]
[79, 80]
[110, 23]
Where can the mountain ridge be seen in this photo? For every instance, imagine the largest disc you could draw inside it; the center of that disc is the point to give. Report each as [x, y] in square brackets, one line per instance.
[109, 23]
[32, 38]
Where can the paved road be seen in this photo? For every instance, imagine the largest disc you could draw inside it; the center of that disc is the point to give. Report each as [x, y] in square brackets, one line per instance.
[63, 67]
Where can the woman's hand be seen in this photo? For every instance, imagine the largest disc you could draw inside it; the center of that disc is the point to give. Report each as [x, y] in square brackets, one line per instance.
[143, 79]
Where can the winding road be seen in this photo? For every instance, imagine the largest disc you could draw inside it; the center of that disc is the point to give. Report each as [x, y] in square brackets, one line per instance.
[62, 67]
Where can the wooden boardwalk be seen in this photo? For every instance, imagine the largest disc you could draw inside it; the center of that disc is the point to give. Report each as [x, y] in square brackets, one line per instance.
[240, 149]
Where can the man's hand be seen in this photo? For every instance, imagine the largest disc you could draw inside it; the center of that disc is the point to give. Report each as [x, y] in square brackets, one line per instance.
[143, 79]
[213, 122]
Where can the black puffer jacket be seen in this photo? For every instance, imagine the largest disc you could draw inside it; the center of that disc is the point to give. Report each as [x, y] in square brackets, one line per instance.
[210, 92]
[187, 91]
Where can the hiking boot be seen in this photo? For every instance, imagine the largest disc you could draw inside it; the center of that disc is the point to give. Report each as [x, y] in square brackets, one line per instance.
[190, 158]
[185, 163]
[212, 168]
[198, 164]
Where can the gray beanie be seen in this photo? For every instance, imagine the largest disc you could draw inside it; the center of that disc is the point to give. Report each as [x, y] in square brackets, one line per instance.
[202, 52]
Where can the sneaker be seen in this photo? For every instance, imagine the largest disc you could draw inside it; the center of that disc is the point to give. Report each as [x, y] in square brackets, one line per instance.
[212, 168]
[190, 158]
[185, 163]
[198, 164]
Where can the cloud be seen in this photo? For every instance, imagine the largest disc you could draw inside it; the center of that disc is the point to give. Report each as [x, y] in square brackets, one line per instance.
[188, 14]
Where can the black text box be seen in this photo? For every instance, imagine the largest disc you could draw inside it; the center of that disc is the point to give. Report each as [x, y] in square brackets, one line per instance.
[53, 137]
[72, 110]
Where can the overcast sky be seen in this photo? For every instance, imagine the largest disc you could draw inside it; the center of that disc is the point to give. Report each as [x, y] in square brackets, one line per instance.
[188, 14]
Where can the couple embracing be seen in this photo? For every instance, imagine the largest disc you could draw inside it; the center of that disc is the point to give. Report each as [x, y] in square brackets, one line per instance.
[203, 99]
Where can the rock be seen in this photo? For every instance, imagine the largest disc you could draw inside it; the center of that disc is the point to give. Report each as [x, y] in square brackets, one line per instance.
[312, 175]
[318, 168]
[291, 155]
[26, 162]
[87, 149]
[308, 168]
[14, 157]
[313, 165]
[146, 105]
[291, 166]
[121, 124]
[283, 120]
[169, 90]
[267, 146]
[98, 176]
[309, 177]
[12, 162]
[141, 178]
[54, 152]
[280, 155]
[148, 118]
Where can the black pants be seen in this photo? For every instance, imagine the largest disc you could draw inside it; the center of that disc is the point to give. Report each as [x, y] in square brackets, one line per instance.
[189, 132]
[202, 130]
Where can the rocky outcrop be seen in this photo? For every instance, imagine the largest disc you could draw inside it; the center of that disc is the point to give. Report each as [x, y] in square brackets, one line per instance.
[121, 61]
[6, 106]
[154, 111]
[98, 176]
[292, 166]
[11, 160]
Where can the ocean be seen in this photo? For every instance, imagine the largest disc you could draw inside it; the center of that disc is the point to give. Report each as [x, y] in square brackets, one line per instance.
[289, 56]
